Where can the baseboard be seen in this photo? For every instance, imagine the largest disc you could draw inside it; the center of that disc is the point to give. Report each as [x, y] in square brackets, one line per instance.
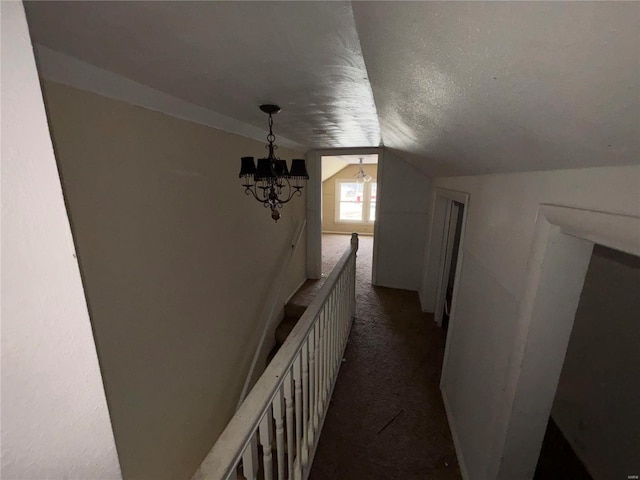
[347, 233]
[295, 290]
[454, 435]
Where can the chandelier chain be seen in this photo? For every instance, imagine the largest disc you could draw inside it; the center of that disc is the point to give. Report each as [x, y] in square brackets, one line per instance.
[271, 138]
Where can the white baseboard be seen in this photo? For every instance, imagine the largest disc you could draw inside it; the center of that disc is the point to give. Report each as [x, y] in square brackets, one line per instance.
[454, 435]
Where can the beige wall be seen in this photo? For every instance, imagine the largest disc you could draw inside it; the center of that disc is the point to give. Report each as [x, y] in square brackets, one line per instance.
[176, 261]
[329, 223]
[596, 403]
[501, 217]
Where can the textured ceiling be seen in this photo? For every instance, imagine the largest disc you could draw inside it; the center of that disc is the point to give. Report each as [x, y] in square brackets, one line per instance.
[230, 57]
[459, 87]
[475, 87]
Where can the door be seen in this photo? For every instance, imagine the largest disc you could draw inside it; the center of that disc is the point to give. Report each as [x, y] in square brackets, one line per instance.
[451, 244]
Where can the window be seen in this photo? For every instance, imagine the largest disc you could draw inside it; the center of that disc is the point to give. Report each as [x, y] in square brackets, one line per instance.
[355, 202]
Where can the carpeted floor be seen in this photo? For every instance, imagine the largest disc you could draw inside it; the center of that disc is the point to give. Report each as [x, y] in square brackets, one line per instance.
[386, 419]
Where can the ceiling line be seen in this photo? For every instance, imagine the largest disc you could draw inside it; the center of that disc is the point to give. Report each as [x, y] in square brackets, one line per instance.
[366, 69]
[67, 70]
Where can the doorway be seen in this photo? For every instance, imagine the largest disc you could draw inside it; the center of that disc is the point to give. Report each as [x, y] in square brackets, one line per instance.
[444, 257]
[594, 427]
[349, 204]
[321, 174]
[451, 250]
[561, 252]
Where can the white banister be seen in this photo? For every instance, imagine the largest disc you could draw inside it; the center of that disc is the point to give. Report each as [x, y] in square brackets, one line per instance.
[303, 374]
[270, 308]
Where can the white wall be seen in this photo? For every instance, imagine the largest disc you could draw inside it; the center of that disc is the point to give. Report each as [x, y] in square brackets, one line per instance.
[177, 262]
[501, 217]
[55, 422]
[404, 196]
[596, 404]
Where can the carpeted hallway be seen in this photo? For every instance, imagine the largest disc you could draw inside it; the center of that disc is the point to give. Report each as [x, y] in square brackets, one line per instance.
[386, 419]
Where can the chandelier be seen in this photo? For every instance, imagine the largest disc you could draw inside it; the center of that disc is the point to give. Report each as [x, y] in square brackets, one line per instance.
[361, 176]
[271, 182]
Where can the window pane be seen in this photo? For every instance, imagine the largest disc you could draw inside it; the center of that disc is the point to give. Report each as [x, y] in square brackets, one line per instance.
[372, 212]
[374, 190]
[351, 211]
[351, 192]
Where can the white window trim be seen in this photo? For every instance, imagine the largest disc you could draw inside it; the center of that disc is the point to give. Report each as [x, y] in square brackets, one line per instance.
[366, 204]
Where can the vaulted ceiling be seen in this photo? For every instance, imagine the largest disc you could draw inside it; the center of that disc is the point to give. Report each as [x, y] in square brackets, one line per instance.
[451, 87]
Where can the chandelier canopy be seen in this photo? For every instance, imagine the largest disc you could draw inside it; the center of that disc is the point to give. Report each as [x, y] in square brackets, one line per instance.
[271, 182]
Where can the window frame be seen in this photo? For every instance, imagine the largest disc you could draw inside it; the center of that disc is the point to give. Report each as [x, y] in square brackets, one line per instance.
[366, 202]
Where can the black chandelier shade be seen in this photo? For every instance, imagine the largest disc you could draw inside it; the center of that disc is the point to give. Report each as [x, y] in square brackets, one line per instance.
[271, 182]
[264, 170]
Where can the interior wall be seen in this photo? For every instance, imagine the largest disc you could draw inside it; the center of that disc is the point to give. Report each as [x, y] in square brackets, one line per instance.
[500, 223]
[329, 223]
[55, 422]
[404, 195]
[596, 403]
[177, 262]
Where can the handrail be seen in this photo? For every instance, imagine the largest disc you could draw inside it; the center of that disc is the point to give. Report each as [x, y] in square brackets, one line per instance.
[274, 298]
[234, 441]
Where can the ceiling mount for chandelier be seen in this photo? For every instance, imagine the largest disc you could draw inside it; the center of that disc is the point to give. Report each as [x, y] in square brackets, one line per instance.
[271, 182]
[361, 176]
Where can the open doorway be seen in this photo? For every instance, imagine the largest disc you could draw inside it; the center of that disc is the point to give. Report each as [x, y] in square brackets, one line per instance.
[444, 257]
[594, 426]
[349, 204]
[453, 228]
[561, 254]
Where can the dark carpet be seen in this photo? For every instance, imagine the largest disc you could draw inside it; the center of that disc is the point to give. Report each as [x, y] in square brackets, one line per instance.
[386, 419]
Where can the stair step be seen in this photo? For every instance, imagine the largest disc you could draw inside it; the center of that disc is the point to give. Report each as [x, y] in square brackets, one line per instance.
[294, 310]
[284, 329]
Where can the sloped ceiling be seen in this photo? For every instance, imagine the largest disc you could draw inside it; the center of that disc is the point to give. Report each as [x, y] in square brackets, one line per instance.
[332, 164]
[451, 87]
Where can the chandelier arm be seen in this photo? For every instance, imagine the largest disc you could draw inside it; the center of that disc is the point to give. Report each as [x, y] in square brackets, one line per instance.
[253, 192]
[291, 192]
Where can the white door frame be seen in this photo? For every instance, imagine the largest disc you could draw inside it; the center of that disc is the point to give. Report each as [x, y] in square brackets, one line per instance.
[314, 205]
[560, 255]
[431, 292]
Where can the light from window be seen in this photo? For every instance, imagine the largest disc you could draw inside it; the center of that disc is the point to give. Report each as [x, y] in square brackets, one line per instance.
[356, 201]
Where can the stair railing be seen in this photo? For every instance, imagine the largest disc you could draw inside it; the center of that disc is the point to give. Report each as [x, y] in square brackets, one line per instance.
[293, 393]
[270, 309]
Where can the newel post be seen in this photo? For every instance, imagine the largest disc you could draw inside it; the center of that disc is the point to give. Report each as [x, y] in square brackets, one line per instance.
[354, 241]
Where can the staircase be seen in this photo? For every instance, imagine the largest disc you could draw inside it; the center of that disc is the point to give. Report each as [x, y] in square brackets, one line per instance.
[293, 310]
[275, 431]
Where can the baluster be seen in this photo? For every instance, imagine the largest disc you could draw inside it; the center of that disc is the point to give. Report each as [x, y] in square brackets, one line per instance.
[323, 360]
[288, 401]
[266, 436]
[330, 355]
[339, 306]
[312, 390]
[352, 297]
[278, 417]
[334, 316]
[316, 381]
[304, 353]
[299, 412]
[250, 463]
